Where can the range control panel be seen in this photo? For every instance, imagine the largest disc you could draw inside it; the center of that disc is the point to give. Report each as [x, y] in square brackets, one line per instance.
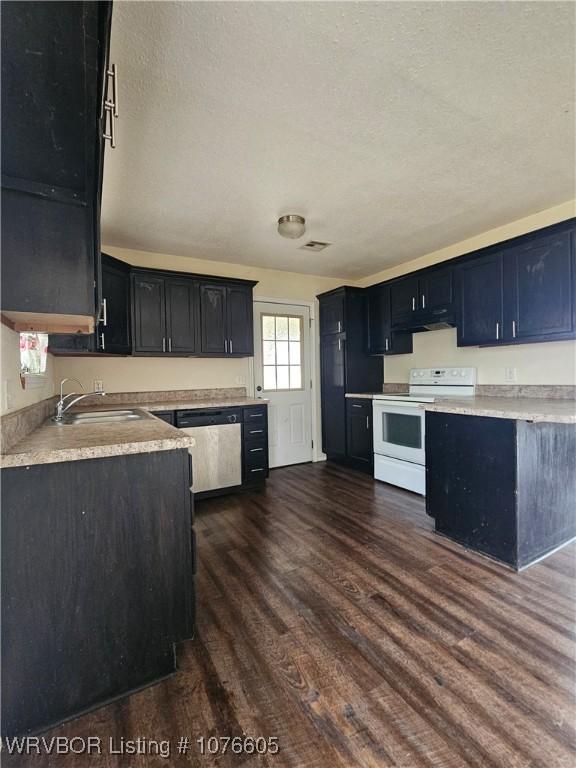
[443, 376]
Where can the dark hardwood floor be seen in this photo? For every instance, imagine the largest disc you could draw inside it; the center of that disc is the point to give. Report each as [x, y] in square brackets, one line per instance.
[332, 617]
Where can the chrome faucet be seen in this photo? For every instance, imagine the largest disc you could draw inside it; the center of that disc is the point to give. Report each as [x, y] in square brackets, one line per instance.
[62, 406]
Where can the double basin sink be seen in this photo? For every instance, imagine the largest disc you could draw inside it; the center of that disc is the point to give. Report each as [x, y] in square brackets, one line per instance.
[101, 417]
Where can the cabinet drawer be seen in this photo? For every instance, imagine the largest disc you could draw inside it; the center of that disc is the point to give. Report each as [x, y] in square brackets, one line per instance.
[255, 457]
[360, 406]
[255, 416]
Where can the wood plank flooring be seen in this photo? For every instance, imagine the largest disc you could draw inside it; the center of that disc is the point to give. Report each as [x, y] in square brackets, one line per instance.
[332, 617]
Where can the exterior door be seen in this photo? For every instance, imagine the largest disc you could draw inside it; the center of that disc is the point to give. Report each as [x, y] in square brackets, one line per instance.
[282, 374]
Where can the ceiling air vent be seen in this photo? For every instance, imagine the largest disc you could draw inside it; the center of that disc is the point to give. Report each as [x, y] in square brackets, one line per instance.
[314, 245]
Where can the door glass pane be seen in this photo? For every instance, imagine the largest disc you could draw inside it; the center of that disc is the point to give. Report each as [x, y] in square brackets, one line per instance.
[269, 352]
[282, 377]
[295, 377]
[269, 377]
[401, 429]
[294, 327]
[294, 353]
[282, 328]
[268, 327]
[282, 352]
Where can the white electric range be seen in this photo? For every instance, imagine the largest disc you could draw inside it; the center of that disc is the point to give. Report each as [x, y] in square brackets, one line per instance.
[399, 424]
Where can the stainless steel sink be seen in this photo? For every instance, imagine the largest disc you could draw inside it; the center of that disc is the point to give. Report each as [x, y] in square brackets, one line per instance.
[101, 417]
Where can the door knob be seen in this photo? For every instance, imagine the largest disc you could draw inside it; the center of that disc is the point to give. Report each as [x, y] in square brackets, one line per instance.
[259, 389]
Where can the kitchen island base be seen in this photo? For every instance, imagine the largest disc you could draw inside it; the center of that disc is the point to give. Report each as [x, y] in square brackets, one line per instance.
[502, 487]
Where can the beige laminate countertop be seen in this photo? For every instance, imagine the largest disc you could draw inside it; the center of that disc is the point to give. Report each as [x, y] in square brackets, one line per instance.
[52, 443]
[520, 408]
[542, 409]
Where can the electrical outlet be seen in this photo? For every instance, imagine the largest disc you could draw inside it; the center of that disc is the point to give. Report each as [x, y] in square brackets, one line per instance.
[98, 385]
[510, 375]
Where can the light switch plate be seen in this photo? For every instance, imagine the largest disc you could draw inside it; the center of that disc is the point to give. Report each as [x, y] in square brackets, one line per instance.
[510, 375]
[98, 385]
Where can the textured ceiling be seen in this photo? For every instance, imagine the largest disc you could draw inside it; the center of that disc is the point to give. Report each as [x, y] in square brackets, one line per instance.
[395, 128]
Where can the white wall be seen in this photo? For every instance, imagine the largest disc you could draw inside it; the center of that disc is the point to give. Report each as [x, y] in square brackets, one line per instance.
[551, 363]
[13, 395]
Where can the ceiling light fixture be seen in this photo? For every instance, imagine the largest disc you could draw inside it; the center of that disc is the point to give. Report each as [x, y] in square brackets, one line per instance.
[291, 226]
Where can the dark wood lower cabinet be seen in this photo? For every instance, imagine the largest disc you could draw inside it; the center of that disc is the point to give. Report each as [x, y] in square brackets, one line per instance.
[505, 488]
[359, 437]
[97, 582]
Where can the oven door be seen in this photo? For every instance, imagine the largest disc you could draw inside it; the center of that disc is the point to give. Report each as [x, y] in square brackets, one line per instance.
[399, 431]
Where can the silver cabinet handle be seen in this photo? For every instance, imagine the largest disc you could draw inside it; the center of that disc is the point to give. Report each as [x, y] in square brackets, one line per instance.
[163, 344]
[354, 405]
[102, 341]
[104, 313]
[339, 326]
[497, 331]
[339, 345]
[169, 343]
[226, 346]
[413, 303]
[423, 301]
[367, 422]
[256, 431]
[513, 329]
[112, 104]
[257, 470]
[386, 344]
[255, 450]
[231, 348]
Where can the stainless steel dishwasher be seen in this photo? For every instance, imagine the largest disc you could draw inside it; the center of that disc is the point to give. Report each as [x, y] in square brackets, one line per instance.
[217, 453]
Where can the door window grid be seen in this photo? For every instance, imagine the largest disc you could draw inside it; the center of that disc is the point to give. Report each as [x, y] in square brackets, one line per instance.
[282, 352]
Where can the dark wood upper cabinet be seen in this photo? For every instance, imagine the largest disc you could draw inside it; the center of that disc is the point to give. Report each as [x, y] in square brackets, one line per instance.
[54, 57]
[436, 292]
[114, 327]
[403, 300]
[181, 316]
[240, 320]
[149, 313]
[381, 339]
[481, 287]
[213, 319]
[540, 288]
[332, 315]
[226, 319]
[112, 334]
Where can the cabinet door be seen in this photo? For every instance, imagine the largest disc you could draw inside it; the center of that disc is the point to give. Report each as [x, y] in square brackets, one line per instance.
[240, 321]
[213, 319]
[378, 320]
[149, 314]
[114, 328]
[332, 314]
[181, 316]
[481, 301]
[436, 290]
[540, 288]
[403, 299]
[333, 390]
[359, 442]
